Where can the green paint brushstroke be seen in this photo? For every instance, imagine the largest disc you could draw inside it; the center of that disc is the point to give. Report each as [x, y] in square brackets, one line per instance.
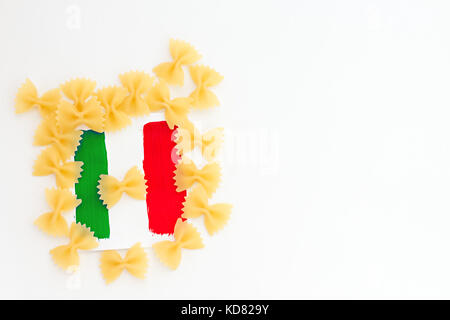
[92, 212]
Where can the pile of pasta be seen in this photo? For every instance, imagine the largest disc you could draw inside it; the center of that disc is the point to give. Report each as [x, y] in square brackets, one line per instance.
[78, 103]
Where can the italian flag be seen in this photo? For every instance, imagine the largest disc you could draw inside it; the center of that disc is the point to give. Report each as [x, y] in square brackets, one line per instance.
[152, 148]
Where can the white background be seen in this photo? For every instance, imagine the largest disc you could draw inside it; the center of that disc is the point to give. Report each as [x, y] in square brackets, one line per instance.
[340, 179]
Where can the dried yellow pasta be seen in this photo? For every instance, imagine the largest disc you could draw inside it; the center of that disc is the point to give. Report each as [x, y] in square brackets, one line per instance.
[135, 262]
[49, 162]
[27, 97]
[111, 99]
[85, 109]
[182, 54]
[111, 189]
[187, 173]
[215, 215]
[204, 77]
[186, 237]
[209, 142]
[78, 90]
[59, 200]
[65, 143]
[138, 84]
[176, 110]
[80, 238]
[69, 117]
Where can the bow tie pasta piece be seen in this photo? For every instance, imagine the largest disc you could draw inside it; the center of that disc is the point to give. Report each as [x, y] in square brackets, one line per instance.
[176, 110]
[204, 77]
[69, 116]
[209, 143]
[49, 162]
[187, 173]
[85, 109]
[111, 98]
[215, 216]
[111, 189]
[81, 238]
[135, 262]
[137, 84]
[59, 200]
[78, 90]
[27, 97]
[186, 237]
[64, 143]
[182, 54]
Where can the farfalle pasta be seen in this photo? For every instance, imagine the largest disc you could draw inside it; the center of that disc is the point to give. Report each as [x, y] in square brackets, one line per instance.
[182, 54]
[65, 143]
[69, 117]
[27, 97]
[50, 162]
[209, 142]
[85, 109]
[135, 262]
[215, 215]
[176, 110]
[137, 84]
[111, 189]
[80, 238]
[187, 174]
[111, 98]
[59, 200]
[186, 237]
[204, 77]
[79, 91]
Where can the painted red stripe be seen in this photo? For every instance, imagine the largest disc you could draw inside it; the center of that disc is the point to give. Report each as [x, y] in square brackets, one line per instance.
[164, 203]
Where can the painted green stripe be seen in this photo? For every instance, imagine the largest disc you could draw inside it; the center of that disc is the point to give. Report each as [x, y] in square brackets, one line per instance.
[91, 211]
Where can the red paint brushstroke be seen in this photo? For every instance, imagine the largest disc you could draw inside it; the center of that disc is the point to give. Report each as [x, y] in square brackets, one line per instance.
[164, 203]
